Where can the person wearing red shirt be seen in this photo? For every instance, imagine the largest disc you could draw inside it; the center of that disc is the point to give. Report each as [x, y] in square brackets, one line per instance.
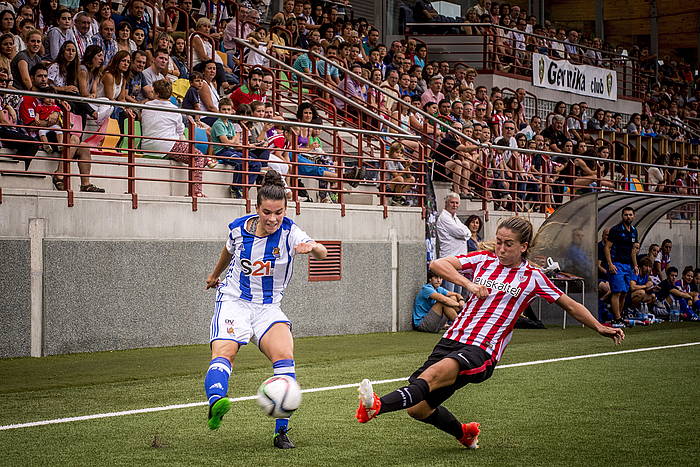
[29, 115]
[504, 284]
[250, 92]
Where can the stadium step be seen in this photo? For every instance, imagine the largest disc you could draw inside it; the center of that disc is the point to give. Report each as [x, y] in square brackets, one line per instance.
[25, 180]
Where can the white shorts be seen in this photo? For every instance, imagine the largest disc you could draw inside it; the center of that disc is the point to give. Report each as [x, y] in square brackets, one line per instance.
[241, 321]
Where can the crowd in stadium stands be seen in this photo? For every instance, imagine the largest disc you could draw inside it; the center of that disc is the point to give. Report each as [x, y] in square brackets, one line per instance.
[659, 291]
[123, 52]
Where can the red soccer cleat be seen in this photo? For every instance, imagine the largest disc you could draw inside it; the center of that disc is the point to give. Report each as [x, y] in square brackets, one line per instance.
[470, 435]
[369, 402]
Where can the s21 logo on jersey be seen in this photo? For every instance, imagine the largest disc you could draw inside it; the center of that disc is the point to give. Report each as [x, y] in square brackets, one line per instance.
[256, 268]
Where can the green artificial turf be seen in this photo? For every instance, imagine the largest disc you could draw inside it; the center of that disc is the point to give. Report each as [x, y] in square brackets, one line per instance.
[630, 409]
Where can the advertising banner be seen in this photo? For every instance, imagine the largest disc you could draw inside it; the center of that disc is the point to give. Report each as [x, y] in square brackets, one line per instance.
[562, 75]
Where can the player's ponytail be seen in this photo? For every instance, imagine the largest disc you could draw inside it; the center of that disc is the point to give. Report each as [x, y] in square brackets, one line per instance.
[272, 188]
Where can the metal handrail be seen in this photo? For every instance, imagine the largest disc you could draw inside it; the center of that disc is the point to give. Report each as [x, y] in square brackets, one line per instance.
[498, 26]
[321, 86]
[679, 123]
[402, 134]
[359, 78]
[89, 100]
[432, 118]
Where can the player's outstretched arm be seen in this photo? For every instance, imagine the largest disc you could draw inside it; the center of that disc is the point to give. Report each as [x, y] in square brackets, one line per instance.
[316, 250]
[581, 314]
[447, 269]
[224, 261]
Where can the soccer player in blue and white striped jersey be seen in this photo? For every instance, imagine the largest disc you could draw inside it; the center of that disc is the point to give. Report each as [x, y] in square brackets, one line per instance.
[258, 259]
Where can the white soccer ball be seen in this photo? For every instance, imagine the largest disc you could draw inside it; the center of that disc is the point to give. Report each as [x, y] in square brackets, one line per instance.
[279, 396]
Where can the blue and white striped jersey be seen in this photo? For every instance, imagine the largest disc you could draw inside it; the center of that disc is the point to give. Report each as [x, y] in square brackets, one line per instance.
[261, 267]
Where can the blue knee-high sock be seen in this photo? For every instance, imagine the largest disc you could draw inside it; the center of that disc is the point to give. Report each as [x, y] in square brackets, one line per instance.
[283, 367]
[216, 380]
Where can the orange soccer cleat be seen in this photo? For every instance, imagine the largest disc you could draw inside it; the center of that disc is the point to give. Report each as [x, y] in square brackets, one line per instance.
[369, 402]
[470, 435]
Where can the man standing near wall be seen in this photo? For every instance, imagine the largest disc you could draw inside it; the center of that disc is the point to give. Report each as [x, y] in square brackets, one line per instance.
[452, 234]
[620, 254]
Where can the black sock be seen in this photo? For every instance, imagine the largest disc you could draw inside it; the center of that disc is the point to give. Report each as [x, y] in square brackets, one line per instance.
[405, 397]
[443, 419]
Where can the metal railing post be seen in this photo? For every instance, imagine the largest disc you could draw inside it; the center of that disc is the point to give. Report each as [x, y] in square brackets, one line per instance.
[245, 167]
[131, 169]
[65, 149]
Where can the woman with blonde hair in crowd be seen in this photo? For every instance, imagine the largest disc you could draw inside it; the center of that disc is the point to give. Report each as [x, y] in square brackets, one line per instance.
[23, 62]
[202, 52]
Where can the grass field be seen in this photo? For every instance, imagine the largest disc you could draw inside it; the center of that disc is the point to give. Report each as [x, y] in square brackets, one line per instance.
[630, 409]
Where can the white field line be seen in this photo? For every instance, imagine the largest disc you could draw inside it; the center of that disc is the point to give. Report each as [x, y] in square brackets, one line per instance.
[327, 388]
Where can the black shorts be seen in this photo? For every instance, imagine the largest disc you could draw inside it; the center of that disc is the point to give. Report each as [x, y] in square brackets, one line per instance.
[475, 366]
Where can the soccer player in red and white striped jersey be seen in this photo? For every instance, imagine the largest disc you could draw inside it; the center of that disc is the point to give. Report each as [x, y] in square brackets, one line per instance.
[503, 286]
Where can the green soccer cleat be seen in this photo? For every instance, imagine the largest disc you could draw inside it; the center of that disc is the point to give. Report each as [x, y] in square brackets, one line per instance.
[217, 412]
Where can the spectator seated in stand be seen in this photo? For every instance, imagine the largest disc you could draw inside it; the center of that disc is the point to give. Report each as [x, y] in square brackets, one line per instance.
[249, 92]
[169, 126]
[690, 307]
[434, 306]
[642, 289]
[11, 136]
[310, 144]
[397, 165]
[670, 295]
[227, 143]
[29, 115]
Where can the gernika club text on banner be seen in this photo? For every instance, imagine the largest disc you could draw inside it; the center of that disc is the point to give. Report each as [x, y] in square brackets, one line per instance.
[562, 75]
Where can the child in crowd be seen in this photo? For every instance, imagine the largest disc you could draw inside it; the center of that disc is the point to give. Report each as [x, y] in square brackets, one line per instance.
[262, 42]
[401, 182]
[276, 142]
[320, 157]
[48, 110]
[224, 136]
[308, 167]
[192, 100]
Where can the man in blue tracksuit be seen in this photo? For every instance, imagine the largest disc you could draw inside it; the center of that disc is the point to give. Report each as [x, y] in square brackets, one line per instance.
[621, 255]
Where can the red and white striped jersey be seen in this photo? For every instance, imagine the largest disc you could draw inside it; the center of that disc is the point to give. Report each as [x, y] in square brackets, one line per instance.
[488, 323]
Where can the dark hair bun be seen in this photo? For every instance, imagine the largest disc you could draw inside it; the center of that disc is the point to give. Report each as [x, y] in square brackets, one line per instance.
[272, 177]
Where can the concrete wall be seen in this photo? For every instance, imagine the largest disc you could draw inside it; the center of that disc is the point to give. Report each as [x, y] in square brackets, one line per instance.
[118, 278]
[15, 300]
